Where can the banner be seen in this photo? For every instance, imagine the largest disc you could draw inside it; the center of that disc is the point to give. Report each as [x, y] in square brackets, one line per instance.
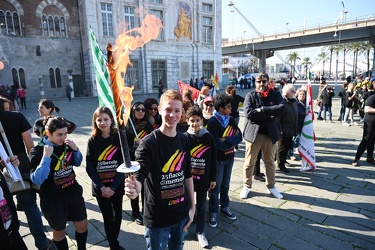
[306, 146]
[105, 94]
[182, 86]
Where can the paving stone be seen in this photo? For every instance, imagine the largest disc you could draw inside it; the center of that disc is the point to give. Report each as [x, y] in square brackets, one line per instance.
[306, 234]
[353, 229]
[355, 241]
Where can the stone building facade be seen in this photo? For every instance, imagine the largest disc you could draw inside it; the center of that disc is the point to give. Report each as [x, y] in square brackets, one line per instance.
[40, 43]
[189, 46]
[44, 44]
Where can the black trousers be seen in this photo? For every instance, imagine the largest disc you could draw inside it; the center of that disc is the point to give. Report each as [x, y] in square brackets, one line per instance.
[368, 140]
[200, 207]
[16, 242]
[111, 209]
[285, 143]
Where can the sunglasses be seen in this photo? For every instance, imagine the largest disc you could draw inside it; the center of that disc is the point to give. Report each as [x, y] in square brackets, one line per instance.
[211, 105]
[262, 81]
[140, 110]
[154, 109]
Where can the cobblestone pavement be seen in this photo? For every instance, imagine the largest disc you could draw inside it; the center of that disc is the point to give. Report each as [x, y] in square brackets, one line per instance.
[330, 208]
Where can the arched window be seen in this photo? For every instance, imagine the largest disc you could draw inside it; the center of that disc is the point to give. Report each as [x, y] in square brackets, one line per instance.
[16, 81]
[3, 28]
[52, 78]
[22, 77]
[44, 25]
[50, 26]
[58, 77]
[9, 23]
[57, 25]
[16, 22]
[62, 27]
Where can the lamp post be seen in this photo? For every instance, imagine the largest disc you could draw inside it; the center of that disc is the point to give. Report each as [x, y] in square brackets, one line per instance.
[286, 27]
[341, 16]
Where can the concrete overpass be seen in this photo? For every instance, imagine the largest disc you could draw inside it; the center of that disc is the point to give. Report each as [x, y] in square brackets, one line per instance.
[264, 47]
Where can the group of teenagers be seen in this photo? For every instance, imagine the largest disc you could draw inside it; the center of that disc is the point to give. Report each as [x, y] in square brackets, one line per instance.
[174, 165]
[185, 150]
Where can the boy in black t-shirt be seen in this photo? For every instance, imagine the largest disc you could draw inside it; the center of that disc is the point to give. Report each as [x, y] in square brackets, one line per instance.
[166, 176]
[203, 163]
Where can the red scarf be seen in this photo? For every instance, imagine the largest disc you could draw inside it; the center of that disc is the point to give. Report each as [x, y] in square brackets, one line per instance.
[265, 93]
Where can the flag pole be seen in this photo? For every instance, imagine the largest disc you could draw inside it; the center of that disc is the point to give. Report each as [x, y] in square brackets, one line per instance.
[128, 166]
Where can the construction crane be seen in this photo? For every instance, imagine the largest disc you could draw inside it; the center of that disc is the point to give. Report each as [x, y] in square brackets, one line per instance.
[231, 4]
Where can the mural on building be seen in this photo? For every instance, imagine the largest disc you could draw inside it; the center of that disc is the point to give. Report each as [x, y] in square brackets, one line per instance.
[183, 27]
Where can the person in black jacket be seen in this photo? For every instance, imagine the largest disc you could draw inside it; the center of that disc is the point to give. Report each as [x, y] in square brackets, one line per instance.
[289, 124]
[261, 132]
[326, 97]
[10, 238]
[342, 95]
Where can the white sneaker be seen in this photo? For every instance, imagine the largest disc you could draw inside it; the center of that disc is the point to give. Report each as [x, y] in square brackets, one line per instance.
[202, 240]
[346, 124]
[275, 193]
[244, 192]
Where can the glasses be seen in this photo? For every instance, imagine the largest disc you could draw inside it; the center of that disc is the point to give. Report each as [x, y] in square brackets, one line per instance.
[210, 105]
[140, 110]
[154, 109]
[262, 81]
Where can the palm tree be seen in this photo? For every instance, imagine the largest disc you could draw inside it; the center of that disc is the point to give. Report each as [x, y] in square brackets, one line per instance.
[306, 62]
[322, 57]
[367, 48]
[331, 48]
[355, 47]
[344, 48]
[292, 57]
[337, 50]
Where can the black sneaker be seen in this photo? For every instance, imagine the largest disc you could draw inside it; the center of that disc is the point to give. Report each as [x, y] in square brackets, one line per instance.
[212, 222]
[138, 219]
[228, 214]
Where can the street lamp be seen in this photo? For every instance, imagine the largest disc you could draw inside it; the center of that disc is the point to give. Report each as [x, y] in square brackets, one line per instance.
[286, 27]
[341, 16]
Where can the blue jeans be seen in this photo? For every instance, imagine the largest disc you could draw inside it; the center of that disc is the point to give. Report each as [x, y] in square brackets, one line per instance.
[158, 238]
[342, 112]
[34, 217]
[223, 174]
[325, 109]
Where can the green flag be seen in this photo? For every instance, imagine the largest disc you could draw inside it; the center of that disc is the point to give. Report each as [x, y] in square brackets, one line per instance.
[105, 94]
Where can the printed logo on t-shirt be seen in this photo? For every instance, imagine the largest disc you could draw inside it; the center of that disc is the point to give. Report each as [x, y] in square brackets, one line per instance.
[106, 166]
[5, 213]
[108, 153]
[198, 164]
[172, 179]
[142, 134]
[229, 131]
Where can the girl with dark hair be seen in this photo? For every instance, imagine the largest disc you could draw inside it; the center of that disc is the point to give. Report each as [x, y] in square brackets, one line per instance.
[51, 164]
[152, 112]
[46, 108]
[102, 159]
[135, 134]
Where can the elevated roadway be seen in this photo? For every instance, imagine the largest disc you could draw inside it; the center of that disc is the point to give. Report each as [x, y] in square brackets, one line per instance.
[263, 47]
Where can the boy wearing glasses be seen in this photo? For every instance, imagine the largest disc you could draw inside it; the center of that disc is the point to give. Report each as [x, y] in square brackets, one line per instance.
[263, 107]
[164, 157]
[226, 133]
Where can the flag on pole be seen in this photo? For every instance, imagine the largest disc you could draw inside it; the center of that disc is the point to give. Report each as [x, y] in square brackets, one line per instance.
[215, 80]
[103, 85]
[306, 143]
[182, 86]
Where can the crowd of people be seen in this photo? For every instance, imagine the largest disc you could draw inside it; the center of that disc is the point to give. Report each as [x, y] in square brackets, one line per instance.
[185, 148]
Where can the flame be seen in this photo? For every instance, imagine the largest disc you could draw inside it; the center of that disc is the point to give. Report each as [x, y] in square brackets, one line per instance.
[118, 63]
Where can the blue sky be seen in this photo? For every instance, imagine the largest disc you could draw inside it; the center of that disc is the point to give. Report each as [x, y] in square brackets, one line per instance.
[272, 16]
